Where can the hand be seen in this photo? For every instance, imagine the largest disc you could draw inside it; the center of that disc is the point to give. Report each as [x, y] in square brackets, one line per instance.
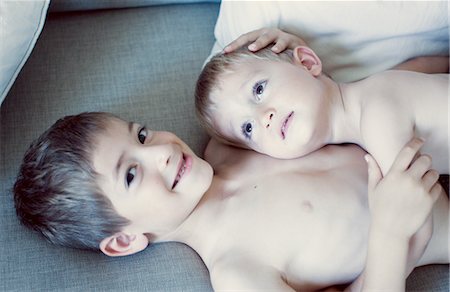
[401, 202]
[263, 37]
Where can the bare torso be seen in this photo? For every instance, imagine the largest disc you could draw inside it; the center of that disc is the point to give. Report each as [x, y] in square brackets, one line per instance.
[303, 224]
[306, 220]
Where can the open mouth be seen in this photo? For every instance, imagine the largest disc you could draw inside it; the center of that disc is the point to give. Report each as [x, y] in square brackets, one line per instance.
[183, 167]
[285, 125]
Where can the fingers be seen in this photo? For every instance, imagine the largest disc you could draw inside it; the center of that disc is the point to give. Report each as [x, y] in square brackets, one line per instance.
[374, 171]
[243, 40]
[280, 45]
[259, 39]
[264, 38]
[420, 165]
[407, 154]
[436, 191]
[430, 178]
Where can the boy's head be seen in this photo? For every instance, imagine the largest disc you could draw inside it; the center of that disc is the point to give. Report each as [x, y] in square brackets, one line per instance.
[56, 191]
[272, 103]
[95, 181]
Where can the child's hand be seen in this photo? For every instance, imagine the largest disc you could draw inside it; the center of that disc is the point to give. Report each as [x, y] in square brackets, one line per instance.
[263, 37]
[401, 201]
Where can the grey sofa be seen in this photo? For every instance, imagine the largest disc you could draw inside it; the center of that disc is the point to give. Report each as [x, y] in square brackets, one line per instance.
[140, 62]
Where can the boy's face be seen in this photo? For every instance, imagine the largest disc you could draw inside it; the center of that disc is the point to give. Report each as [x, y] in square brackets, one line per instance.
[272, 107]
[152, 178]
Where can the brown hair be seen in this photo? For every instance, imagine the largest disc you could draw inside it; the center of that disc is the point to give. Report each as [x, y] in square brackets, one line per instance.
[56, 191]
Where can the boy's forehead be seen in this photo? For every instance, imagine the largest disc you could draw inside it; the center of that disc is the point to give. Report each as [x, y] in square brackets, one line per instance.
[109, 146]
[115, 131]
[118, 126]
[238, 74]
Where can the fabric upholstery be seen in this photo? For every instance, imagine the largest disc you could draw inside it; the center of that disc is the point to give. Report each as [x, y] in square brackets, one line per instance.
[77, 5]
[141, 64]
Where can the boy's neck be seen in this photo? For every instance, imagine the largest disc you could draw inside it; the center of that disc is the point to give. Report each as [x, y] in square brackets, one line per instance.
[198, 230]
[345, 112]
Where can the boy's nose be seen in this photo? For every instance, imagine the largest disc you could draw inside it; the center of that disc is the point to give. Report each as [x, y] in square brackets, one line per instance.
[267, 117]
[160, 154]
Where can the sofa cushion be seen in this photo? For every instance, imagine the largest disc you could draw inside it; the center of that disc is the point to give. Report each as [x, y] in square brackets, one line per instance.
[353, 39]
[77, 5]
[21, 23]
[138, 63]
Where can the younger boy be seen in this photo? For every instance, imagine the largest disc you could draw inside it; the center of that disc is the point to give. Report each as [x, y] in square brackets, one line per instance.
[283, 105]
[96, 181]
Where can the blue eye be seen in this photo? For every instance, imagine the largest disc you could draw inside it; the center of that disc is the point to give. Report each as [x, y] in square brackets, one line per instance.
[131, 173]
[247, 129]
[258, 89]
[142, 135]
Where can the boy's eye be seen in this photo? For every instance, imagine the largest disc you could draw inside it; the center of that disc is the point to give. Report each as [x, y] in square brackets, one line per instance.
[142, 134]
[131, 173]
[258, 89]
[247, 129]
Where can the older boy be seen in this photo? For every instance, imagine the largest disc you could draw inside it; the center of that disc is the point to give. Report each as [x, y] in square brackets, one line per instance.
[258, 223]
[284, 106]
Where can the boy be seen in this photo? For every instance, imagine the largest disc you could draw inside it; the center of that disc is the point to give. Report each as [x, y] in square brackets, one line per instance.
[284, 106]
[249, 222]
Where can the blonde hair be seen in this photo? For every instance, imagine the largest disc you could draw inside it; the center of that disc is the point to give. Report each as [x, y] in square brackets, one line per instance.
[209, 81]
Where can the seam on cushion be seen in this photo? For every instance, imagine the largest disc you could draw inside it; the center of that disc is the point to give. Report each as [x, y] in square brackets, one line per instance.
[30, 48]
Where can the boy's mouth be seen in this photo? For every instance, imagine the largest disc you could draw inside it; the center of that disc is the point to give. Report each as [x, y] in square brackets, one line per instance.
[285, 125]
[183, 167]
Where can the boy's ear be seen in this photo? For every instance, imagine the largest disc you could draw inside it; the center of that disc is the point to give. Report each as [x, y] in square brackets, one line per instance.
[304, 56]
[122, 244]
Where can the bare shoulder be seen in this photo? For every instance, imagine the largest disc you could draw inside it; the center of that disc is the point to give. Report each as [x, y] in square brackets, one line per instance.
[222, 156]
[244, 164]
[404, 74]
[405, 85]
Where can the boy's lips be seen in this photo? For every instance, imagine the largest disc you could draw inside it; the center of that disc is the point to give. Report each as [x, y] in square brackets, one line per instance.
[285, 125]
[184, 166]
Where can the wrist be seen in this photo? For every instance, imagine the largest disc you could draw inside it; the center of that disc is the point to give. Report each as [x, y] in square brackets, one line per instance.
[387, 233]
[386, 263]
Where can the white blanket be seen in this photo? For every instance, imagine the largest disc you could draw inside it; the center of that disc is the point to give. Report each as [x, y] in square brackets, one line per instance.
[353, 39]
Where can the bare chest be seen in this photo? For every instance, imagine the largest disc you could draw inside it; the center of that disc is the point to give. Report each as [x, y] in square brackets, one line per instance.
[312, 228]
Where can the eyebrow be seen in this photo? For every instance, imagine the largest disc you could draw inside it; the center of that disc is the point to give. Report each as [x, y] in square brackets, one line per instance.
[121, 158]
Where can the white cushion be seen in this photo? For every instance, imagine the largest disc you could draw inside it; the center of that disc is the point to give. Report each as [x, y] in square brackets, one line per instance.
[21, 23]
[353, 39]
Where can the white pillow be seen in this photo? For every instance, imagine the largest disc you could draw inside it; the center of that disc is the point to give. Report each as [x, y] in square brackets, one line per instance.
[21, 23]
[353, 39]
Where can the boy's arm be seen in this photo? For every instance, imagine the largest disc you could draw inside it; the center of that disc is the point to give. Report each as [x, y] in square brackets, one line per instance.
[426, 64]
[400, 203]
[263, 37]
[386, 127]
[234, 273]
